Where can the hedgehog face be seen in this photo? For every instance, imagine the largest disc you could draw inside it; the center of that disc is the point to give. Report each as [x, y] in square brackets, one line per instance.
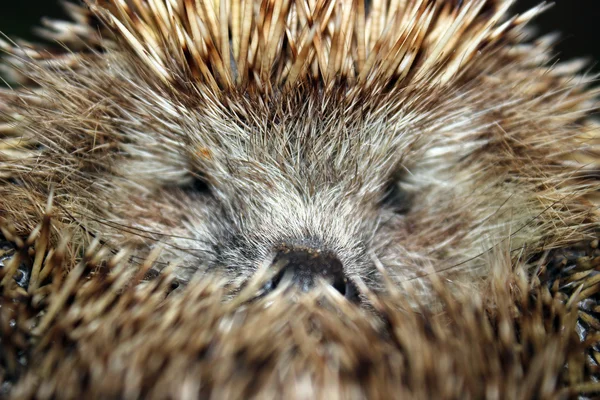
[334, 189]
[307, 182]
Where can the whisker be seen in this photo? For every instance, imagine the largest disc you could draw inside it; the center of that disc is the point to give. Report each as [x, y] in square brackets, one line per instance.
[104, 243]
[131, 229]
[509, 237]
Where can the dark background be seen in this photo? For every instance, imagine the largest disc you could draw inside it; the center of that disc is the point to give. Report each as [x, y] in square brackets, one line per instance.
[577, 20]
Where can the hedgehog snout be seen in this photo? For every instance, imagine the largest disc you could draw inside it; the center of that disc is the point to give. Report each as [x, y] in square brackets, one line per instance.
[304, 266]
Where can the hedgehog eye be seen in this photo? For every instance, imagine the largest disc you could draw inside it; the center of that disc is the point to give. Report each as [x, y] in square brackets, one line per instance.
[396, 198]
[198, 184]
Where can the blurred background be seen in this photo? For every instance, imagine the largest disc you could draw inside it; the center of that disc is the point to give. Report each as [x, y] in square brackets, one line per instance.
[577, 20]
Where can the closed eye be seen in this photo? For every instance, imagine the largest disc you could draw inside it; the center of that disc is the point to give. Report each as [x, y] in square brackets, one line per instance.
[197, 184]
[396, 198]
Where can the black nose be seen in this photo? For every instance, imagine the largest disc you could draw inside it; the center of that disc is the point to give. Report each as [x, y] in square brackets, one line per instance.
[304, 266]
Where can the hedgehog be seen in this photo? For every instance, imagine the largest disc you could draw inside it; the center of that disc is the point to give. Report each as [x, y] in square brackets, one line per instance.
[417, 157]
